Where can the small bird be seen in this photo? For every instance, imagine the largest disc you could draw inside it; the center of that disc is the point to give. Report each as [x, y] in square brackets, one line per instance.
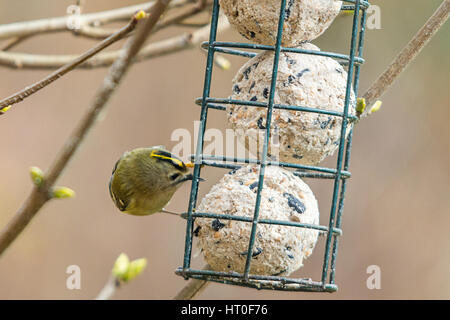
[144, 180]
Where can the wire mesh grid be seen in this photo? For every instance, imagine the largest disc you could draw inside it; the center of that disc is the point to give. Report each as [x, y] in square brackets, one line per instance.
[339, 174]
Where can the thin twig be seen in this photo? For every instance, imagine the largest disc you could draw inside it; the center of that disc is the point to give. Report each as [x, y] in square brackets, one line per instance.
[39, 196]
[11, 43]
[94, 32]
[407, 55]
[101, 33]
[193, 288]
[151, 50]
[19, 29]
[28, 91]
[109, 289]
[180, 16]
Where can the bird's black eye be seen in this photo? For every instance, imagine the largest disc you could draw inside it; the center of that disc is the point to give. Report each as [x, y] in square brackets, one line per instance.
[174, 176]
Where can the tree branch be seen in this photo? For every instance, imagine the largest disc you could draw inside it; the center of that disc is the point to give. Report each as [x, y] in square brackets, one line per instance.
[20, 29]
[151, 50]
[406, 56]
[26, 92]
[101, 33]
[193, 10]
[39, 196]
[94, 32]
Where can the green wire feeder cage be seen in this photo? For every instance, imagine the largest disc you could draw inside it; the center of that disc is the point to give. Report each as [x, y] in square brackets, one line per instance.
[339, 175]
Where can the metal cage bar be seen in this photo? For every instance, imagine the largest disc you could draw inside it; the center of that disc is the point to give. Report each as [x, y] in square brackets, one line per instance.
[203, 117]
[348, 148]
[339, 174]
[341, 155]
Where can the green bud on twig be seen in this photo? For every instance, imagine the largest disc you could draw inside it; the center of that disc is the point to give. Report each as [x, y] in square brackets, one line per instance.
[135, 268]
[62, 192]
[37, 176]
[375, 107]
[124, 270]
[219, 60]
[346, 12]
[360, 105]
[4, 109]
[140, 15]
[222, 62]
[121, 266]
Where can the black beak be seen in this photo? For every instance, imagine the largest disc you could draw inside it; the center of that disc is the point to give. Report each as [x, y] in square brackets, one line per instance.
[189, 176]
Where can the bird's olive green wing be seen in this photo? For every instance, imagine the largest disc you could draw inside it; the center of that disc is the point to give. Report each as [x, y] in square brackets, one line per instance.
[120, 203]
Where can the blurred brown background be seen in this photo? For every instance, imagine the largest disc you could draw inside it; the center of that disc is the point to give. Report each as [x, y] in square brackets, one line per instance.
[397, 212]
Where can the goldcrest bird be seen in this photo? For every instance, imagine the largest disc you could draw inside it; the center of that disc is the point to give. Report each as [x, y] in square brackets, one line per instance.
[144, 180]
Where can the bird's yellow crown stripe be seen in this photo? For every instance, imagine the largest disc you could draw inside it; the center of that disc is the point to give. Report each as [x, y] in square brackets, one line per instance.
[174, 160]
